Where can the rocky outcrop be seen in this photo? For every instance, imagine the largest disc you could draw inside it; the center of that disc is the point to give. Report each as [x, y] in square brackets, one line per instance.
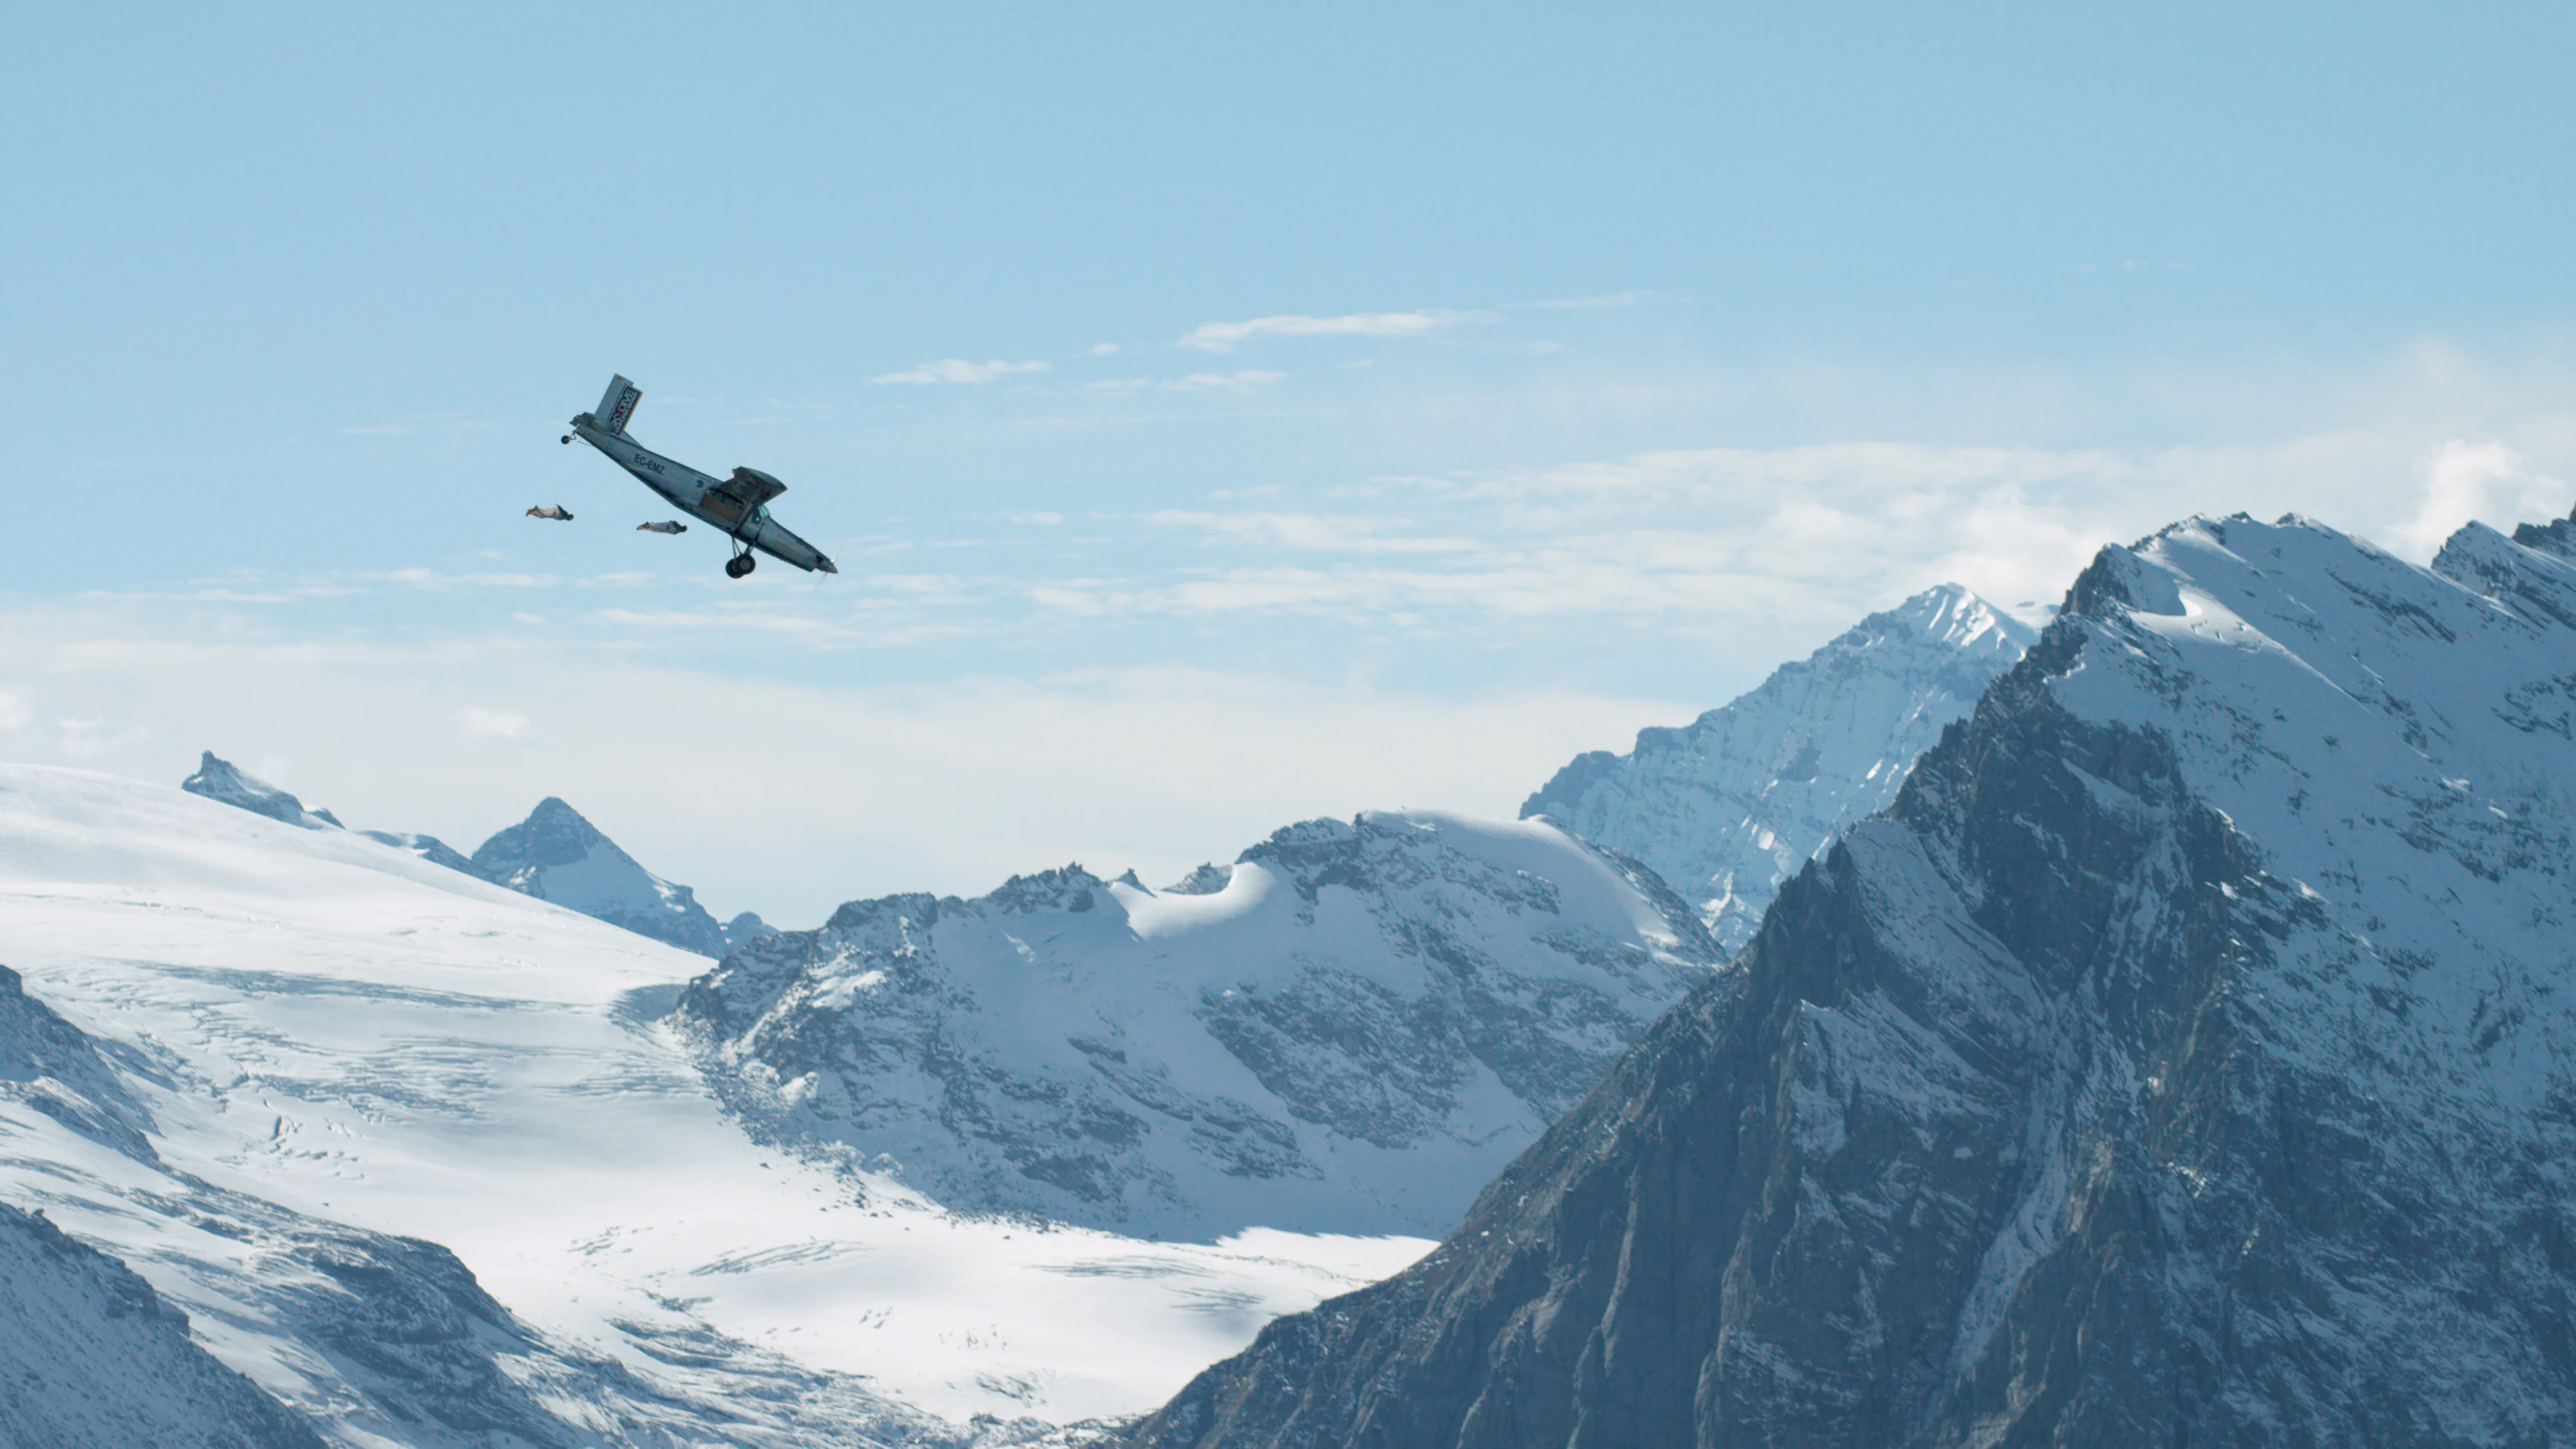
[2183, 1058]
[91, 1356]
[1351, 1035]
[1729, 806]
[221, 780]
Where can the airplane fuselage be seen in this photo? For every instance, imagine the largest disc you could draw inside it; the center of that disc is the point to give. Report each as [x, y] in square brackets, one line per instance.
[699, 496]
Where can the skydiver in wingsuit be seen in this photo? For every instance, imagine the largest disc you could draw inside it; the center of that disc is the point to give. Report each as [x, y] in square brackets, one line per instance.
[557, 512]
[669, 527]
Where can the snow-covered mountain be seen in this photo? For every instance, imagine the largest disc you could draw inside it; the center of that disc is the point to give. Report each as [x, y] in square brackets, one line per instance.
[416, 1157]
[556, 855]
[2188, 1056]
[1352, 1034]
[1729, 806]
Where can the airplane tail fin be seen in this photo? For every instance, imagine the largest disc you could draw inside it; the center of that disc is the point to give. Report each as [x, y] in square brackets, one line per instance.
[617, 405]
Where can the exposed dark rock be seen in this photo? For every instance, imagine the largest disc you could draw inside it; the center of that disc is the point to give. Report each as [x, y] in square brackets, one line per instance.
[2182, 1060]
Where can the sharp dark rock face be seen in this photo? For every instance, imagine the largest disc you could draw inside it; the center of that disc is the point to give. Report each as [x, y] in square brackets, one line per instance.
[1729, 806]
[220, 779]
[2186, 1057]
[556, 855]
[1351, 1033]
[2558, 536]
[91, 1357]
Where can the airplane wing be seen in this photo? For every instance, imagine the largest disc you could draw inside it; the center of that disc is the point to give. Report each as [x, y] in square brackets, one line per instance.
[750, 487]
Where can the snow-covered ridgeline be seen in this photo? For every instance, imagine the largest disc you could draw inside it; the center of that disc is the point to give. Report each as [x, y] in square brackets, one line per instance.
[414, 1156]
[1729, 806]
[555, 855]
[2187, 1056]
[1350, 1034]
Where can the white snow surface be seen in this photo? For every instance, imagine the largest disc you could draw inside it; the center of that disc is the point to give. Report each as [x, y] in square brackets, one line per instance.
[1729, 806]
[333, 1027]
[2398, 741]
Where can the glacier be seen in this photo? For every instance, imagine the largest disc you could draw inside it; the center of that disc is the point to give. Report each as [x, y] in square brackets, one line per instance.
[423, 1160]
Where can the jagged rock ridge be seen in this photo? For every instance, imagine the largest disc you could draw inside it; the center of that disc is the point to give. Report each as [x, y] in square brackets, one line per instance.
[2184, 1058]
[1350, 1036]
[1729, 806]
[221, 779]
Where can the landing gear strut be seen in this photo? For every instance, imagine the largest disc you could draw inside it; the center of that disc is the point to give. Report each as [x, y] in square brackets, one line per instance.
[740, 564]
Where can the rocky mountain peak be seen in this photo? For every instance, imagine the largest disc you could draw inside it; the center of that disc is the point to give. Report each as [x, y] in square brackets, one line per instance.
[553, 834]
[1727, 807]
[557, 855]
[220, 779]
[2180, 1059]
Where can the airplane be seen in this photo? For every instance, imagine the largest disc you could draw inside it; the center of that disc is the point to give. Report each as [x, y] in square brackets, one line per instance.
[738, 506]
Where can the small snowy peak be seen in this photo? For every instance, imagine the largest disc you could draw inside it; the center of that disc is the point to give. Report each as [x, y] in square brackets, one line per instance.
[557, 855]
[1349, 1035]
[92, 1357]
[1731, 805]
[221, 779]
[744, 929]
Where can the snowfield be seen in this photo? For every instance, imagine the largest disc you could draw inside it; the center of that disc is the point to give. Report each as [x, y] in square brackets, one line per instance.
[325, 1045]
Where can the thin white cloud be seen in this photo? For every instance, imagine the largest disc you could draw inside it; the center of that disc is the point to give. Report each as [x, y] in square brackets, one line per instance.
[1309, 531]
[1223, 381]
[957, 370]
[491, 724]
[2483, 481]
[1595, 304]
[1222, 336]
[1104, 349]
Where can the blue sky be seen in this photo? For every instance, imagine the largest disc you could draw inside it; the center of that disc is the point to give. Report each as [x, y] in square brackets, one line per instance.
[1388, 401]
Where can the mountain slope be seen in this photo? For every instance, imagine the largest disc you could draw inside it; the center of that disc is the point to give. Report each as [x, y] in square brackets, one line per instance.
[1351, 1035]
[2184, 1058]
[91, 1356]
[1732, 804]
[415, 1155]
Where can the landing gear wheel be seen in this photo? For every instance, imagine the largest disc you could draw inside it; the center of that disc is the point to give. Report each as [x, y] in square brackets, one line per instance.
[738, 565]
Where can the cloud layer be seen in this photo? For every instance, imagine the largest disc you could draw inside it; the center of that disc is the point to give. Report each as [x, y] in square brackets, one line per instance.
[957, 370]
[1222, 336]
